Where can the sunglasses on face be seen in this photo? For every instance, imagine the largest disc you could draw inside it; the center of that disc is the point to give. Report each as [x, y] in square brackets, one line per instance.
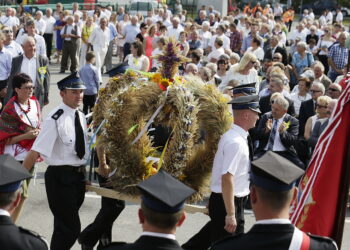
[28, 87]
[277, 58]
[333, 90]
[7, 31]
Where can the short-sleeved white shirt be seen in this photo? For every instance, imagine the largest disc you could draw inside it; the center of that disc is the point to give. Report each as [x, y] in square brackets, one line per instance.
[56, 140]
[232, 157]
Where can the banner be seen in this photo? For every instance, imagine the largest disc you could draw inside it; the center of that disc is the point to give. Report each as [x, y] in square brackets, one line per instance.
[324, 187]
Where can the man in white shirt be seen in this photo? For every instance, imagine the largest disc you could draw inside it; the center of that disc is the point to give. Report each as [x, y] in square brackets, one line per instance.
[329, 17]
[31, 31]
[76, 10]
[49, 29]
[13, 47]
[99, 40]
[339, 17]
[176, 29]
[40, 23]
[230, 177]
[220, 33]
[300, 32]
[8, 20]
[322, 19]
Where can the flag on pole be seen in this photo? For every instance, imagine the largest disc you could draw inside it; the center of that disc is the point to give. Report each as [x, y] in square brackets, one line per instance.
[324, 187]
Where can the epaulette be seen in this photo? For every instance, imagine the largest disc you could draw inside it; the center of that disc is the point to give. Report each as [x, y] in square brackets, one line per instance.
[34, 234]
[57, 114]
[324, 239]
[226, 239]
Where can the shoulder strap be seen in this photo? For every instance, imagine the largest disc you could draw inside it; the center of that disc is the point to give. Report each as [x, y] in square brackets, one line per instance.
[300, 240]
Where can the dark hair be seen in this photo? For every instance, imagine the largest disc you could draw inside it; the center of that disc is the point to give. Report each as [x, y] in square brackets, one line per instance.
[161, 40]
[7, 198]
[257, 41]
[196, 55]
[20, 79]
[161, 220]
[219, 41]
[89, 56]
[163, 27]
[275, 200]
[312, 40]
[223, 61]
[139, 48]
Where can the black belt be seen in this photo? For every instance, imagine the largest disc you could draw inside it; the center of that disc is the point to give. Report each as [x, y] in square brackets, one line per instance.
[220, 195]
[79, 169]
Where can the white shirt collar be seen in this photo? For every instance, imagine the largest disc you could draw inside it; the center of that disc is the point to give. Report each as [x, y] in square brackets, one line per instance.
[273, 221]
[240, 131]
[24, 57]
[160, 235]
[68, 109]
[4, 212]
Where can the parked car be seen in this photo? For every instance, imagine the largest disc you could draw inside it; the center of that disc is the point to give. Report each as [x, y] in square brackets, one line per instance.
[319, 6]
[345, 11]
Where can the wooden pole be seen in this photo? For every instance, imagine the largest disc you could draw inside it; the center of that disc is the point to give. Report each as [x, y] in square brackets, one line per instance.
[110, 193]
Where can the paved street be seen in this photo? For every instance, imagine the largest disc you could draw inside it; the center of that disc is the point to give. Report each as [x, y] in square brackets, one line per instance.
[37, 216]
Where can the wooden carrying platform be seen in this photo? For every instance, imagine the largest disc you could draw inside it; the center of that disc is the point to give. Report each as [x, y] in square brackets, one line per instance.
[109, 193]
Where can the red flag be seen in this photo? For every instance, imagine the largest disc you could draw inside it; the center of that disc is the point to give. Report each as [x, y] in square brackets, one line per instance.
[325, 185]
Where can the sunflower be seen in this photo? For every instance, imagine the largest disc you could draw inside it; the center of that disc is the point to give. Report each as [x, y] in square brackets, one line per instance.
[164, 84]
[157, 77]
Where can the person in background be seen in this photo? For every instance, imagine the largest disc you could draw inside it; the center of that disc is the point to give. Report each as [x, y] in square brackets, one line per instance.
[235, 39]
[112, 39]
[12, 236]
[321, 113]
[334, 91]
[148, 42]
[86, 31]
[304, 85]
[320, 77]
[194, 42]
[137, 59]
[157, 51]
[88, 74]
[339, 16]
[256, 49]
[5, 68]
[99, 40]
[217, 52]
[301, 59]
[183, 44]
[191, 69]
[49, 30]
[60, 23]
[337, 57]
[10, 45]
[40, 23]
[19, 126]
[39, 40]
[121, 41]
[130, 32]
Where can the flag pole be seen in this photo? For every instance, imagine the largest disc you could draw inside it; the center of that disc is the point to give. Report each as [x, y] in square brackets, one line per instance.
[344, 193]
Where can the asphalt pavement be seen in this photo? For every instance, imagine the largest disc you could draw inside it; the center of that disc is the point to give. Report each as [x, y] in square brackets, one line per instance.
[37, 216]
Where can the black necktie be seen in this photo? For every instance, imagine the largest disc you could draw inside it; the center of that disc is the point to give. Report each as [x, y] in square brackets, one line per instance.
[250, 146]
[79, 137]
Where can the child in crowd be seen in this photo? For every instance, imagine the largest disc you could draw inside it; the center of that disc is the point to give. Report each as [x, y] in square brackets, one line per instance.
[88, 74]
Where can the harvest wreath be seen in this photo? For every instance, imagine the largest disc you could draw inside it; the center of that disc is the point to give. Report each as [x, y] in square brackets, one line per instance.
[131, 102]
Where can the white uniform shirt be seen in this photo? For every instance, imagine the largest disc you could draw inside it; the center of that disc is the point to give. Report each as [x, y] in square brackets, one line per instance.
[50, 23]
[339, 17]
[29, 67]
[56, 140]
[329, 18]
[100, 38]
[8, 21]
[232, 157]
[175, 32]
[277, 145]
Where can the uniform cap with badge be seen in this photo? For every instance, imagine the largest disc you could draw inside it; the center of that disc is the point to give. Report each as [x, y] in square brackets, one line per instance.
[247, 89]
[71, 82]
[246, 102]
[12, 173]
[163, 193]
[274, 173]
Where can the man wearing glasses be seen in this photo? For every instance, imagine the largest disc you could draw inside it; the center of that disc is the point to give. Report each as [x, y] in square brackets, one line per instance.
[307, 108]
[10, 45]
[334, 91]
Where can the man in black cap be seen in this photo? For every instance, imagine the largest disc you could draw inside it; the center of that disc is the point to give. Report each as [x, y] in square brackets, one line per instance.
[230, 177]
[12, 237]
[244, 90]
[162, 210]
[271, 192]
[62, 142]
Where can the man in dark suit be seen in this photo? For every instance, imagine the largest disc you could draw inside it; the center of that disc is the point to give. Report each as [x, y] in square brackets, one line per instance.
[36, 67]
[162, 202]
[278, 131]
[11, 236]
[307, 108]
[274, 48]
[271, 192]
[276, 85]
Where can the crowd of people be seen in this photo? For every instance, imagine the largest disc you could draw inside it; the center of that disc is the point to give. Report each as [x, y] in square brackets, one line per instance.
[283, 83]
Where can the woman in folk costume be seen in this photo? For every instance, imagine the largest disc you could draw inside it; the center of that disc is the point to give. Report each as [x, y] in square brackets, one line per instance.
[19, 126]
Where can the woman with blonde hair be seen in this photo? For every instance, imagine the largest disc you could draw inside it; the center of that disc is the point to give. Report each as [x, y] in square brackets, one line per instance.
[148, 41]
[85, 34]
[323, 44]
[321, 113]
[244, 72]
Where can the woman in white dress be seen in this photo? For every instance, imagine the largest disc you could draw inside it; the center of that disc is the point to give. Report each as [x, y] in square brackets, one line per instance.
[137, 60]
[244, 72]
[298, 97]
